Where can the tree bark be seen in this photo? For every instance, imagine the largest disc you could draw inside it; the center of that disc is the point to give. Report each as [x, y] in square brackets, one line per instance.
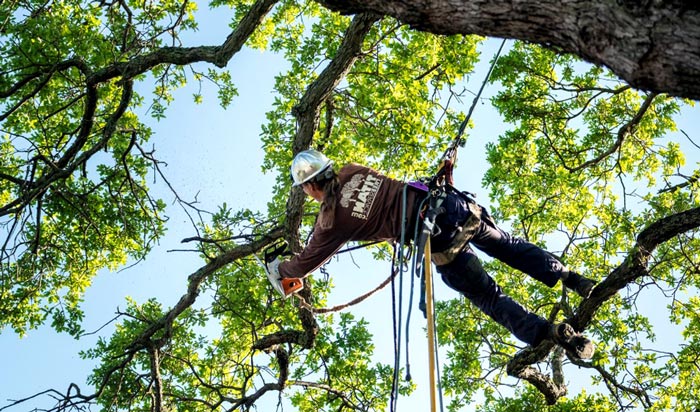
[653, 45]
[308, 110]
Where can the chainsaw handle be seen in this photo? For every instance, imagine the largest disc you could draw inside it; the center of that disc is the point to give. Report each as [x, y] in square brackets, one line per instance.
[276, 250]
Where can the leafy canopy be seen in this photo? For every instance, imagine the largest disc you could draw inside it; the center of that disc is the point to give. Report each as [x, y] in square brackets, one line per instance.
[586, 166]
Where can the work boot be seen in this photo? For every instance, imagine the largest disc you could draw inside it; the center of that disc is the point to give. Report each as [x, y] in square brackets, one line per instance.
[579, 284]
[573, 342]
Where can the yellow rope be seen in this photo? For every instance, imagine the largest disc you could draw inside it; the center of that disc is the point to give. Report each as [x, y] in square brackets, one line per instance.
[431, 325]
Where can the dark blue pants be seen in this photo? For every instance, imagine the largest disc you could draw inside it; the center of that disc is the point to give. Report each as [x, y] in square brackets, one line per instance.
[466, 275]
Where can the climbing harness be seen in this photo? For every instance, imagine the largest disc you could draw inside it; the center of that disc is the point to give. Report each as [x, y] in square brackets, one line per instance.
[430, 207]
[441, 183]
[438, 187]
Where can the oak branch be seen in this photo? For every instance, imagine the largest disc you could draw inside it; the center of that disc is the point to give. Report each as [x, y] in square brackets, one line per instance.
[653, 45]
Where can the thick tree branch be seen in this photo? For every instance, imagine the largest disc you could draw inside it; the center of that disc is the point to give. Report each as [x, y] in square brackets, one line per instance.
[653, 46]
[156, 380]
[44, 74]
[70, 160]
[285, 336]
[196, 279]
[634, 266]
[308, 110]
[550, 389]
[217, 55]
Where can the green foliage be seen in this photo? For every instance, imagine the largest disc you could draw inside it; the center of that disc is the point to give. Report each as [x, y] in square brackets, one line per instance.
[528, 399]
[125, 373]
[341, 360]
[96, 215]
[392, 109]
[586, 165]
[470, 337]
[585, 160]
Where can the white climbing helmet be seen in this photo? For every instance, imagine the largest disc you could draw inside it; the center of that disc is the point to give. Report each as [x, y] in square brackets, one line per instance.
[307, 165]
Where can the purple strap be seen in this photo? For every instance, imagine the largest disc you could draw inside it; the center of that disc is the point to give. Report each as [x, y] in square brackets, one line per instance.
[418, 185]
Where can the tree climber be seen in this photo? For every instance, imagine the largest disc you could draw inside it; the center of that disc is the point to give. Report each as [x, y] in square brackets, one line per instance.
[360, 204]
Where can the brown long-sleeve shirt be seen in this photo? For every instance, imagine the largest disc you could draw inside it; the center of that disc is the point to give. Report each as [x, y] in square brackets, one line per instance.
[368, 208]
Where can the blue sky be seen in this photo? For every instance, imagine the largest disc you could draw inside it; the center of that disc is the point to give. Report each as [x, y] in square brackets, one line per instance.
[214, 155]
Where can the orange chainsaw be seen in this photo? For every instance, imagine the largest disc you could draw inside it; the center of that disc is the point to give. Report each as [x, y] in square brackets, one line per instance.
[284, 286]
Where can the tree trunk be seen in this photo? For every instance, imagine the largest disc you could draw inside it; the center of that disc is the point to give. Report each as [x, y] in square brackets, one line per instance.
[653, 45]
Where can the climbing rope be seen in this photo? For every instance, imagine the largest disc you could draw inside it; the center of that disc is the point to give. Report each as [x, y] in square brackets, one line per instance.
[440, 179]
[437, 183]
[449, 158]
[458, 141]
[432, 364]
